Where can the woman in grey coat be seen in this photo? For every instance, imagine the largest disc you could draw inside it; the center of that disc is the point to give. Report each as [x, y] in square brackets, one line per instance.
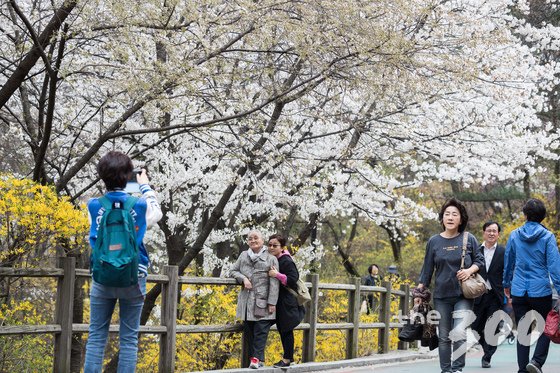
[256, 303]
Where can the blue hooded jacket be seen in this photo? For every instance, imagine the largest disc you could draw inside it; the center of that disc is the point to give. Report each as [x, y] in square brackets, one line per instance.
[531, 260]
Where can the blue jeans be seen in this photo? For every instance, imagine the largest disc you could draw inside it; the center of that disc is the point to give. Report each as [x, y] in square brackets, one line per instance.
[102, 305]
[452, 311]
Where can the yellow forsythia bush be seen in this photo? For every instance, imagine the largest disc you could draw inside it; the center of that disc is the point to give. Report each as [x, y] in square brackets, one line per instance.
[34, 220]
[212, 305]
[24, 353]
[199, 305]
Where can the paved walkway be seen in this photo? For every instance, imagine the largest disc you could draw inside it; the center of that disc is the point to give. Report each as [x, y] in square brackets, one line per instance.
[503, 361]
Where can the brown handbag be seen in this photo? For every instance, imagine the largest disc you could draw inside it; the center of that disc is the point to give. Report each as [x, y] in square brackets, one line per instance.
[474, 286]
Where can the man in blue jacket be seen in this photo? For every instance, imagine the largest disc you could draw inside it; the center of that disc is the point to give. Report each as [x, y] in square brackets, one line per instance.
[530, 260]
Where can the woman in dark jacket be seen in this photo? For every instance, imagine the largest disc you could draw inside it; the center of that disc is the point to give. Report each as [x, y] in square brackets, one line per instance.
[288, 313]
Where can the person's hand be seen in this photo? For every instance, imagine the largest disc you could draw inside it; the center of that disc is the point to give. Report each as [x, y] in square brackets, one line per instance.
[273, 271]
[142, 178]
[271, 308]
[247, 284]
[420, 286]
[507, 292]
[463, 274]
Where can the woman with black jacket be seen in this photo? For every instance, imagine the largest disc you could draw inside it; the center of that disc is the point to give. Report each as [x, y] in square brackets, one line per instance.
[288, 313]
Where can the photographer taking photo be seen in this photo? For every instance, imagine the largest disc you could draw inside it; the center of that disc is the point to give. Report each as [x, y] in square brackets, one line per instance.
[119, 260]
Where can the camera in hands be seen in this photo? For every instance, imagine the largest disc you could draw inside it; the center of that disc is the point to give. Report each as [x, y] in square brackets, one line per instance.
[132, 185]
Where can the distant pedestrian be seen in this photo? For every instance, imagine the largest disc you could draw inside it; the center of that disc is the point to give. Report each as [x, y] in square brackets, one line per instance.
[372, 279]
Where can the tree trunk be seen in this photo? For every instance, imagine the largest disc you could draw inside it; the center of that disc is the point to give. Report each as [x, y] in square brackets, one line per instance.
[395, 238]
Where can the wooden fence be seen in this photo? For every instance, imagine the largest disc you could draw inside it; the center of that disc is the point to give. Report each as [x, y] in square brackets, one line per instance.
[63, 327]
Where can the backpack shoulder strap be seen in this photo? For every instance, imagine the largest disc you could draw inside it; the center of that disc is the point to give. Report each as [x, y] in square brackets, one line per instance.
[106, 203]
[129, 203]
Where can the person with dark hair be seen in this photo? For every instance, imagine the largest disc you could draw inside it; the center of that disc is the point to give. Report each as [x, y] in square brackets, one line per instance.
[443, 254]
[256, 302]
[486, 305]
[531, 260]
[372, 279]
[288, 312]
[115, 168]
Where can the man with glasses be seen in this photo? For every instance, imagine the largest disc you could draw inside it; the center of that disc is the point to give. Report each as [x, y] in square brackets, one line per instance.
[486, 305]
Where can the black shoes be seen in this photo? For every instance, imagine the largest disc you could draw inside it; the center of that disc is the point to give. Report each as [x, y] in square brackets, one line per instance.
[485, 364]
[281, 364]
[533, 367]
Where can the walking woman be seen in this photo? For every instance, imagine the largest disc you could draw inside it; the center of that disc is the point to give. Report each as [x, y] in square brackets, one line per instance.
[288, 313]
[256, 302]
[443, 254]
[531, 260]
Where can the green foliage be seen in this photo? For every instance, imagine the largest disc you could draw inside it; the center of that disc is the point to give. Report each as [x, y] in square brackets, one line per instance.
[501, 193]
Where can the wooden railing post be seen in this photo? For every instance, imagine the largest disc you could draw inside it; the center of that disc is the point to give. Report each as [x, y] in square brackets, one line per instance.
[384, 317]
[353, 317]
[167, 342]
[404, 306]
[310, 336]
[63, 314]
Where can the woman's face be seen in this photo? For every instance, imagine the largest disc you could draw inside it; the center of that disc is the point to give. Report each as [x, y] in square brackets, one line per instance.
[274, 247]
[255, 241]
[451, 218]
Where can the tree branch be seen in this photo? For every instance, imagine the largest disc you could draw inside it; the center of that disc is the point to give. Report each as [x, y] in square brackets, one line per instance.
[15, 80]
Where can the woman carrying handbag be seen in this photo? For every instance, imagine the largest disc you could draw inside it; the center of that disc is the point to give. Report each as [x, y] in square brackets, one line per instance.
[444, 254]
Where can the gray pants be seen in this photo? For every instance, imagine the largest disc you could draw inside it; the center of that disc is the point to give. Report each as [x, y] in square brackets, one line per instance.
[257, 333]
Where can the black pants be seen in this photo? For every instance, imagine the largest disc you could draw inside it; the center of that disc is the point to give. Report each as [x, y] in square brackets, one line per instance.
[257, 333]
[287, 338]
[371, 304]
[522, 305]
[489, 303]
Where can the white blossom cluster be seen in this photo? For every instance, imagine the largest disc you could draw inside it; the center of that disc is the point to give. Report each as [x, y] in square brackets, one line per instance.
[309, 109]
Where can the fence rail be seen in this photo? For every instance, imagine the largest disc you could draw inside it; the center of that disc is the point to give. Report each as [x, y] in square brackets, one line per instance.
[63, 328]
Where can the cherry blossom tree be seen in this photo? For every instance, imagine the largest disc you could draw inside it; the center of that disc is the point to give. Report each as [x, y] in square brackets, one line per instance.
[273, 114]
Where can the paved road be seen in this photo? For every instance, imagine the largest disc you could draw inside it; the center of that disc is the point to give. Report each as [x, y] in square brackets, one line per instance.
[503, 361]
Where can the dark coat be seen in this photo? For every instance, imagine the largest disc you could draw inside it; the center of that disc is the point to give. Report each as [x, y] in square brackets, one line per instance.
[288, 313]
[494, 274]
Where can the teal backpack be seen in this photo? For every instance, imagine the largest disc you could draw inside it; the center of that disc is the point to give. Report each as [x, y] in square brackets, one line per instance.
[115, 255]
